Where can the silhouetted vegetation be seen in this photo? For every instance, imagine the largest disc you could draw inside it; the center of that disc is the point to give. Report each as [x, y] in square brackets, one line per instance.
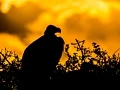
[10, 65]
[84, 62]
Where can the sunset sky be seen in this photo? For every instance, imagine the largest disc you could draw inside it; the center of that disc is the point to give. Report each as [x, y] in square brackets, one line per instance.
[22, 21]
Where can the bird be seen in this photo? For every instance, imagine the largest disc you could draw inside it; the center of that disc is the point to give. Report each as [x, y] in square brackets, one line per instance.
[40, 58]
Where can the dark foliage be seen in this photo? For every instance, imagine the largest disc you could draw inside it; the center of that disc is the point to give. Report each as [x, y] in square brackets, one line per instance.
[10, 65]
[85, 63]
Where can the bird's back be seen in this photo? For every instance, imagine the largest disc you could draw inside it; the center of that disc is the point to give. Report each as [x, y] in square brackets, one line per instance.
[41, 57]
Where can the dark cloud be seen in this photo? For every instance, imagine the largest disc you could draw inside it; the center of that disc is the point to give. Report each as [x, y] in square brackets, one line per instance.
[93, 27]
[15, 20]
[114, 25]
[74, 23]
[97, 30]
[90, 26]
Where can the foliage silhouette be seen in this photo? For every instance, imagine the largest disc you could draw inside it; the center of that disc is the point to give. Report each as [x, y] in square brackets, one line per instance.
[10, 65]
[85, 63]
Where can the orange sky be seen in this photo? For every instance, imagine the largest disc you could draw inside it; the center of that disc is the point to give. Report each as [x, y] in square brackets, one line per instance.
[22, 21]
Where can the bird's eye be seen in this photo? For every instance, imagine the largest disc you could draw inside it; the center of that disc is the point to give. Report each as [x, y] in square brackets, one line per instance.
[58, 34]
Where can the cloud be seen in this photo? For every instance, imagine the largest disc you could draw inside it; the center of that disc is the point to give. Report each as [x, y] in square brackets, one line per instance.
[91, 27]
[75, 23]
[11, 42]
[14, 21]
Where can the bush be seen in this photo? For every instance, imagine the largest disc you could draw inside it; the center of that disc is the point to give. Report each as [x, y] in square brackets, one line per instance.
[10, 65]
[84, 61]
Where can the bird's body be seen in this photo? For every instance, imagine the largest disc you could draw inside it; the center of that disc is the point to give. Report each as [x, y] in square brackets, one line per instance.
[40, 59]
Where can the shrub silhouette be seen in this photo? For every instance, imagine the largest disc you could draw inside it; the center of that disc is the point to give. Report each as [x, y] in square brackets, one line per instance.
[84, 63]
[9, 69]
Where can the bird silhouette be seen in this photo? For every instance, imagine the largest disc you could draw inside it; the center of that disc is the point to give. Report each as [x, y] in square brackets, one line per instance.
[40, 58]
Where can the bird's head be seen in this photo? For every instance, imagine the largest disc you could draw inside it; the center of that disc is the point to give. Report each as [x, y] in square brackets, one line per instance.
[51, 30]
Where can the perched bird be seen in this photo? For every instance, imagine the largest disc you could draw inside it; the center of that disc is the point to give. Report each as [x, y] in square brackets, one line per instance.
[41, 57]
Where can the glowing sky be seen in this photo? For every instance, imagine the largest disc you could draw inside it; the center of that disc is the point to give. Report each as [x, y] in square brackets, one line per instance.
[22, 21]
